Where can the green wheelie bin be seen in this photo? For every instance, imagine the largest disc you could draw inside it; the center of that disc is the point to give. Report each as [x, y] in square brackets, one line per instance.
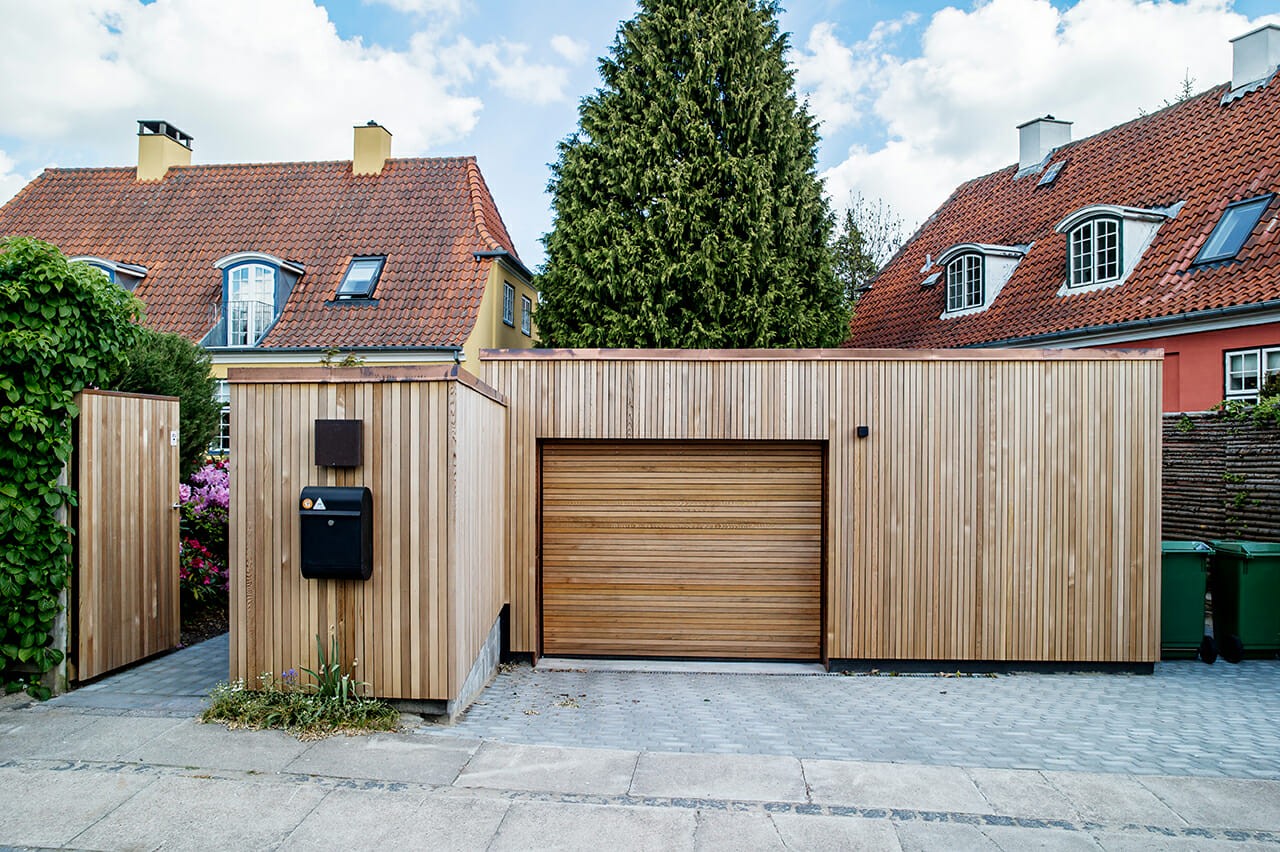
[1245, 586]
[1184, 575]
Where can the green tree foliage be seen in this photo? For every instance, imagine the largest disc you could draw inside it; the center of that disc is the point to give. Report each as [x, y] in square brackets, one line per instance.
[63, 327]
[869, 235]
[688, 208]
[171, 365]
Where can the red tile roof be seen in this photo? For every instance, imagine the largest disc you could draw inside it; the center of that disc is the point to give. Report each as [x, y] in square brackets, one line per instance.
[1199, 152]
[427, 215]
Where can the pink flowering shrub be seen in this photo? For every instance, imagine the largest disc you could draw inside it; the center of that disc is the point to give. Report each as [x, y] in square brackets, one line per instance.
[202, 554]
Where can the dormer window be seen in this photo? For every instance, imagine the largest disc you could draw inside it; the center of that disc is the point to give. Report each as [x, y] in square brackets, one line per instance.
[1105, 243]
[255, 287]
[975, 273]
[251, 303]
[126, 275]
[1093, 252]
[964, 282]
[361, 278]
[1233, 229]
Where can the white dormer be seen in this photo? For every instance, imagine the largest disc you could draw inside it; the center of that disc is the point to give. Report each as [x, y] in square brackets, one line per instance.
[127, 275]
[1105, 242]
[974, 274]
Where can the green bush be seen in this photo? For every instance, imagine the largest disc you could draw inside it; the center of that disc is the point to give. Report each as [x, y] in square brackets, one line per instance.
[63, 327]
[170, 365]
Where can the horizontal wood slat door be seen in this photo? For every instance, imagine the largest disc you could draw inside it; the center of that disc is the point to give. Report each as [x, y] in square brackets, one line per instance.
[682, 549]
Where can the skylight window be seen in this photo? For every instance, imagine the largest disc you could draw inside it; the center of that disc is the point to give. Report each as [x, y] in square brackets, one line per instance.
[362, 276]
[1235, 226]
[1051, 173]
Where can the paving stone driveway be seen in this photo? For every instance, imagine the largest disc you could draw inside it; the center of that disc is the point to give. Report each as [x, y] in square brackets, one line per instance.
[1186, 719]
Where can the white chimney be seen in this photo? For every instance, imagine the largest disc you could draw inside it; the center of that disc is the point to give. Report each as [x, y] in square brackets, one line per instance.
[1038, 137]
[1255, 55]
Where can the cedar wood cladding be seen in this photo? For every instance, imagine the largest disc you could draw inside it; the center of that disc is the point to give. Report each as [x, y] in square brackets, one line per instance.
[1006, 505]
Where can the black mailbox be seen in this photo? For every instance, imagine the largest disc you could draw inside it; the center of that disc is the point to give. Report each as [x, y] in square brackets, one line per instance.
[337, 533]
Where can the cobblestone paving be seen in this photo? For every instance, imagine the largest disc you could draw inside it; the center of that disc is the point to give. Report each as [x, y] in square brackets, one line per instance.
[1186, 719]
[176, 684]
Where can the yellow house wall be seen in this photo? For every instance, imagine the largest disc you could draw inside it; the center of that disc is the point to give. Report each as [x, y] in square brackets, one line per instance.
[490, 332]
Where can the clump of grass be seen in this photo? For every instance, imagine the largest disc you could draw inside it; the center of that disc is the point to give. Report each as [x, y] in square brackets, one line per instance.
[329, 706]
[296, 709]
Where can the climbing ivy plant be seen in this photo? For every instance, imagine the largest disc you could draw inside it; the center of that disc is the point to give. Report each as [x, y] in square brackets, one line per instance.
[63, 327]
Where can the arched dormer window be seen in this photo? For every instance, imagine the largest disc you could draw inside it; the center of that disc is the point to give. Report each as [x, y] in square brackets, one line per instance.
[254, 288]
[975, 274]
[126, 275]
[1105, 243]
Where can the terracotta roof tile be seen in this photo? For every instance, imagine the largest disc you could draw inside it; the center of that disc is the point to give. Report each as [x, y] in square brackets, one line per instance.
[1199, 152]
[427, 215]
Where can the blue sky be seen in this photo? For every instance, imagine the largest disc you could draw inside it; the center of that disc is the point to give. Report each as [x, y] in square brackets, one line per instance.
[913, 97]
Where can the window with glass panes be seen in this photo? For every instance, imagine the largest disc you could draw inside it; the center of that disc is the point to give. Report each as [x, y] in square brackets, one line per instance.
[508, 304]
[526, 315]
[1247, 370]
[221, 444]
[964, 282]
[251, 303]
[1094, 252]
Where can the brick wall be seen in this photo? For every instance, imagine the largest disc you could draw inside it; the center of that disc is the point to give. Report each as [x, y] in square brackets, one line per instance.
[1221, 478]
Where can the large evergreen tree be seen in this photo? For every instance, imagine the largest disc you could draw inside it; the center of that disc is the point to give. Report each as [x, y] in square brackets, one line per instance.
[688, 208]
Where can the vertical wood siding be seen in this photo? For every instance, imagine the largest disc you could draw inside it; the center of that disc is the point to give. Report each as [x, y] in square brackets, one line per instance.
[1006, 505]
[435, 586]
[126, 580]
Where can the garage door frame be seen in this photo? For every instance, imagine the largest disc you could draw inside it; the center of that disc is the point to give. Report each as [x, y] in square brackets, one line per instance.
[823, 568]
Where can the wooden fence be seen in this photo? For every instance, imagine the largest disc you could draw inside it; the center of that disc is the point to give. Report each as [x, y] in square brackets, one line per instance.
[1221, 478]
[125, 588]
[1005, 505]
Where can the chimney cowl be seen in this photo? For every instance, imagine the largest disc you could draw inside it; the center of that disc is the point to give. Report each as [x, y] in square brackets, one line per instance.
[164, 128]
[1254, 56]
[1038, 138]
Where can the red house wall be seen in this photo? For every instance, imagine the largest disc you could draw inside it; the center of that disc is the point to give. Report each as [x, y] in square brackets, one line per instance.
[1193, 368]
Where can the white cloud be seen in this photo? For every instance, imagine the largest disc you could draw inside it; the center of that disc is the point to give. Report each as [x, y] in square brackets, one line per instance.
[509, 71]
[420, 7]
[10, 180]
[570, 49]
[950, 114]
[250, 80]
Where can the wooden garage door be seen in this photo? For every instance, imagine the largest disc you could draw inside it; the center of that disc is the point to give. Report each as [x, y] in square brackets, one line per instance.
[682, 549]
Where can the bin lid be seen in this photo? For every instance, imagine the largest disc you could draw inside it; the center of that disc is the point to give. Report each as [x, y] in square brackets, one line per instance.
[1247, 549]
[1185, 547]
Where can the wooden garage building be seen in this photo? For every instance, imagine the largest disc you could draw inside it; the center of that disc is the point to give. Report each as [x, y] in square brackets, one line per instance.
[817, 505]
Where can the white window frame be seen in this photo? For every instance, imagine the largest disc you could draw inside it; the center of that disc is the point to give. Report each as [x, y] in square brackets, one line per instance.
[221, 444]
[1094, 252]
[965, 282]
[508, 304]
[1266, 361]
[251, 303]
[526, 316]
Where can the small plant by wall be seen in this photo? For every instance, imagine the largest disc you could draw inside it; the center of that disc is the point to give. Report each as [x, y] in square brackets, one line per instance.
[202, 554]
[63, 327]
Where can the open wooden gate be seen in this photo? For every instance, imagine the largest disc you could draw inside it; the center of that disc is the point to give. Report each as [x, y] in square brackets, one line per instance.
[125, 590]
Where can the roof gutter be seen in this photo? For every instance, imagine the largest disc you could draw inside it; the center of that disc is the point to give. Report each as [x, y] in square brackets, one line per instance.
[508, 257]
[1134, 325]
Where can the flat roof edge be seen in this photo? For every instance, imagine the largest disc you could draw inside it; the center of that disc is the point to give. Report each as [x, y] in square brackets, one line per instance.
[362, 375]
[821, 354]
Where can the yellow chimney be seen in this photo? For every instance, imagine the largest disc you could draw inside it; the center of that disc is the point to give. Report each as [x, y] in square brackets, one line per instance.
[161, 145]
[372, 149]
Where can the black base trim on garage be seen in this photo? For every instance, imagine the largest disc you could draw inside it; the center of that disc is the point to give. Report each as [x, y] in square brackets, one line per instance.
[891, 667]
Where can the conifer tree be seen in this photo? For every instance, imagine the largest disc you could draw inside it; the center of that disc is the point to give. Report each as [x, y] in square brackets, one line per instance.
[688, 208]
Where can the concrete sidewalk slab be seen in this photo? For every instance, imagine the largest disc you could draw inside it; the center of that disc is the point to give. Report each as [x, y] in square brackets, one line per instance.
[382, 819]
[558, 826]
[193, 743]
[894, 785]
[1220, 801]
[1113, 799]
[561, 770]
[387, 757]
[719, 776]
[829, 832]
[104, 738]
[26, 733]
[50, 807]
[934, 836]
[181, 813]
[1023, 792]
[717, 830]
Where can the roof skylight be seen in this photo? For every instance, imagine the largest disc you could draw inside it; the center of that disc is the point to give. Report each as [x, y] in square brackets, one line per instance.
[362, 276]
[1051, 173]
[1235, 226]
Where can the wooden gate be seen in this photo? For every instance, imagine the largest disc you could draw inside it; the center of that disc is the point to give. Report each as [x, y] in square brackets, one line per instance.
[125, 590]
